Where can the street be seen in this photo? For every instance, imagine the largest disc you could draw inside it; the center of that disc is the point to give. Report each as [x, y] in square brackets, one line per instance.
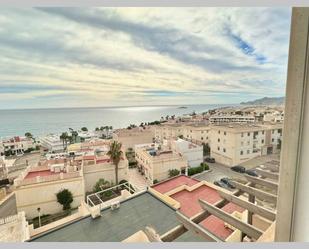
[8, 207]
[219, 171]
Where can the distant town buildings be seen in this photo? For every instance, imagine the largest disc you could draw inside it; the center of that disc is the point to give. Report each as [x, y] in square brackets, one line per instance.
[52, 142]
[16, 145]
[133, 136]
[221, 119]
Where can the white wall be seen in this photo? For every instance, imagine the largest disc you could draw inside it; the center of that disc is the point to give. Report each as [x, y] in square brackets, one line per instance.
[43, 195]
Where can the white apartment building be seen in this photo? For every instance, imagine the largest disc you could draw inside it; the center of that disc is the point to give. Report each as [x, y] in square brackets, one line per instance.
[52, 142]
[192, 152]
[276, 117]
[235, 143]
[156, 162]
[239, 119]
[16, 145]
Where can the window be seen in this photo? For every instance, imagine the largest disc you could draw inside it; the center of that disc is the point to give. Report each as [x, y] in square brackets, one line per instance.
[241, 152]
[273, 131]
[248, 151]
[219, 132]
[248, 142]
[202, 131]
[248, 134]
[262, 141]
[242, 143]
[206, 137]
[218, 140]
[218, 148]
[272, 140]
[224, 150]
[262, 132]
[202, 138]
[225, 133]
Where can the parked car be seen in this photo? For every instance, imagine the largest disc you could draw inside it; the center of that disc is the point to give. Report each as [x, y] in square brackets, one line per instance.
[251, 172]
[228, 182]
[221, 184]
[239, 169]
[210, 160]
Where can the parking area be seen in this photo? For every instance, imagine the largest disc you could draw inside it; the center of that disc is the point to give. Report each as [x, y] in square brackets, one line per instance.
[218, 171]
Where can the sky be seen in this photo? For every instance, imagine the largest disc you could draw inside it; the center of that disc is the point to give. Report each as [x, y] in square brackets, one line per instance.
[84, 57]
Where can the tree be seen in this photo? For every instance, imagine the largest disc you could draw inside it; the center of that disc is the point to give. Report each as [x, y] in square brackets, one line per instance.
[115, 154]
[173, 172]
[101, 184]
[84, 129]
[65, 198]
[64, 138]
[28, 135]
[206, 149]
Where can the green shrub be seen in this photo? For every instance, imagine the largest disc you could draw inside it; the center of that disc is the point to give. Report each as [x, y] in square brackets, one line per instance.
[65, 198]
[155, 181]
[123, 181]
[173, 172]
[199, 169]
[101, 183]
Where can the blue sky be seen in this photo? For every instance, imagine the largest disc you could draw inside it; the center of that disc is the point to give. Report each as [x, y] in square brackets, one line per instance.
[71, 57]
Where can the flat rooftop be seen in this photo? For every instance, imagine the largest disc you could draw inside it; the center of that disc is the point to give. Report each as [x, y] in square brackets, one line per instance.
[33, 174]
[116, 225]
[217, 226]
[189, 200]
[166, 186]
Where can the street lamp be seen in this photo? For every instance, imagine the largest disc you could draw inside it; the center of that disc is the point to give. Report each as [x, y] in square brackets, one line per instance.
[39, 211]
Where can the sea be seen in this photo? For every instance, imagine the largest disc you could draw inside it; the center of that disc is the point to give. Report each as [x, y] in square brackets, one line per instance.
[40, 122]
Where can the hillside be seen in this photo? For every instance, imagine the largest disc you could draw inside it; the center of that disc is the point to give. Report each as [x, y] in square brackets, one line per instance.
[266, 101]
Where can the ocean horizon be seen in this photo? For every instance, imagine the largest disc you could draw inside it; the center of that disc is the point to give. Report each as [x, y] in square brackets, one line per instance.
[16, 122]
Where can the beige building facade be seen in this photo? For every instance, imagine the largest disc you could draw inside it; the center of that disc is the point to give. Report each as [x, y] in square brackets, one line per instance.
[235, 143]
[131, 137]
[155, 163]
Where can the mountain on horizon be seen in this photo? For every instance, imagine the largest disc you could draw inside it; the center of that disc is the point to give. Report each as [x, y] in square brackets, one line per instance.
[266, 101]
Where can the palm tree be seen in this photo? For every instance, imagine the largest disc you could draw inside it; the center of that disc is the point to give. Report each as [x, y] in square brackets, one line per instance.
[115, 154]
[64, 138]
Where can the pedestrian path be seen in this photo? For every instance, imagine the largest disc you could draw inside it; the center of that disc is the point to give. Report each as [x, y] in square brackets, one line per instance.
[137, 179]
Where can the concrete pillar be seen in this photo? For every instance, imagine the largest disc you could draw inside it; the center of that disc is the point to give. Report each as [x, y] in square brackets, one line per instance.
[292, 216]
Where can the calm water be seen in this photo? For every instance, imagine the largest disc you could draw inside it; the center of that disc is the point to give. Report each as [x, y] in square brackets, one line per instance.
[43, 121]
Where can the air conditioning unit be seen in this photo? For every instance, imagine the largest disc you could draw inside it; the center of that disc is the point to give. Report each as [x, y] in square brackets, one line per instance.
[115, 205]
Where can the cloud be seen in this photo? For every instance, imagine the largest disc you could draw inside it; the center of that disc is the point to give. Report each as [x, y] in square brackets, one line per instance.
[112, 56]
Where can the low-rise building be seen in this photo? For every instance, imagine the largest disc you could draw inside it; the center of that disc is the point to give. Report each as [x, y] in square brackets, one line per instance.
[155, 161]
[52, 143]
[131, 137]
[197, 133]
[232, 144]
[37, 186]
[16, 145]
[192, 152]
[240, 119]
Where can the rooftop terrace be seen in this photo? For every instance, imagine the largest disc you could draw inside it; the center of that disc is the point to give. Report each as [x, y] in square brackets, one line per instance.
[116, 225]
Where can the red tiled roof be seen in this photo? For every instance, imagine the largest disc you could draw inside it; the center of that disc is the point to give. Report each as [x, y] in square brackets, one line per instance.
[216, 225]
[89, 157]
[189, 204]
[174, 183]
[40, 173]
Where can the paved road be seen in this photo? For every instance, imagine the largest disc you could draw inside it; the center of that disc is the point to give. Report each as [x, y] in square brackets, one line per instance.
[8, 207]
[217, 172]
